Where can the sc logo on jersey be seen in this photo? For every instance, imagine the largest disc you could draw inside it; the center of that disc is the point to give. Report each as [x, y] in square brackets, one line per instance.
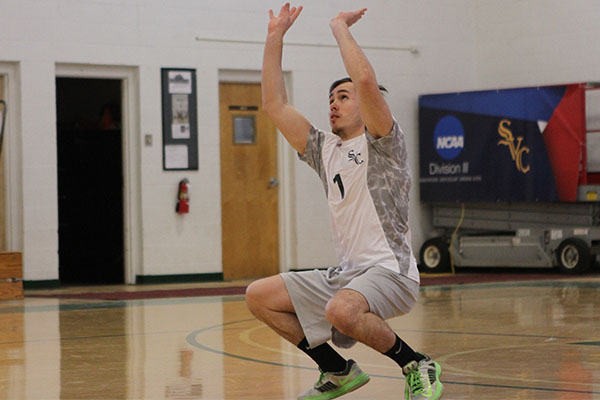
[449, 137]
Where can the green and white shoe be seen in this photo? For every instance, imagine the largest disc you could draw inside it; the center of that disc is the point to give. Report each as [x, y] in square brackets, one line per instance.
[422, 380]
[335, 384]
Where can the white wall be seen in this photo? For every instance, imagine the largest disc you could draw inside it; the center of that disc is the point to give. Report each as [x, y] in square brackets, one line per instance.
[537, 42]
[462, 44]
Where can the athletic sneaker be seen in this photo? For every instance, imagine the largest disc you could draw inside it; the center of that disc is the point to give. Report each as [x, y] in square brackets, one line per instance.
[334, 384]
[422, 380]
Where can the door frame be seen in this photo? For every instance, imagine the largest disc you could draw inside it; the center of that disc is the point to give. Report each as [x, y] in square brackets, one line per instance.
[12, 149]
[285, 171]
[132, 219]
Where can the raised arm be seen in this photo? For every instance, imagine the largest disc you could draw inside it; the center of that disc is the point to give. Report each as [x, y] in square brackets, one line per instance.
[374, 110]
[293, 125]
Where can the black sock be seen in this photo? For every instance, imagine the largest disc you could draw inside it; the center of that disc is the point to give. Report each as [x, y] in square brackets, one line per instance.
[402, 353]
[325, 356]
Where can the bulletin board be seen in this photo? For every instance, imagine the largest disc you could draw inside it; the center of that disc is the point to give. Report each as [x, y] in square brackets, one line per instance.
[180, 119]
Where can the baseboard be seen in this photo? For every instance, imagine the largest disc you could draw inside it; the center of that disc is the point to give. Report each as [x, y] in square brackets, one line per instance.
[308, 269]
[43, 284]
[185, 278]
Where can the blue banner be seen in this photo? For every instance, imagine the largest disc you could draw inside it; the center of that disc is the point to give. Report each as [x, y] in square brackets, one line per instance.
[487, 146]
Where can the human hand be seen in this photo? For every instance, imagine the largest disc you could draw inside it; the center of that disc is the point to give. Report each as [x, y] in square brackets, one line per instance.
[284, 20]
[348, 17]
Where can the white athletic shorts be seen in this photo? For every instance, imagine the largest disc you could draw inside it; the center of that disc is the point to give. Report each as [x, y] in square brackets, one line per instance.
[388, 293]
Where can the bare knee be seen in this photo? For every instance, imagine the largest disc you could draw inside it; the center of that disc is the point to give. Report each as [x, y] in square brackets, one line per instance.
[268, 294]
[255, 293]
[345, 309]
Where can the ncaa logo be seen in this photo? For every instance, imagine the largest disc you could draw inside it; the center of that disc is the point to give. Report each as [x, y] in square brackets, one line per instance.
[449, 137]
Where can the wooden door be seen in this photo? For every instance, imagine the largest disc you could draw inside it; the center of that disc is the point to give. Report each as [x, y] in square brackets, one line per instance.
[249, 184]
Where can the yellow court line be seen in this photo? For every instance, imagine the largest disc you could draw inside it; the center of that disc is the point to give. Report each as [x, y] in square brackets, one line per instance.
[245, 337]
[446, 367]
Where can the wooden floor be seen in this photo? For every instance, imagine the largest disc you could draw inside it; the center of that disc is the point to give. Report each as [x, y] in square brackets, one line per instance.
[528, 340]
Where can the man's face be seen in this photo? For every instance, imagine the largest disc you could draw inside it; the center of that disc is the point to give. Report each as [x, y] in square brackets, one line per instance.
[344, 113]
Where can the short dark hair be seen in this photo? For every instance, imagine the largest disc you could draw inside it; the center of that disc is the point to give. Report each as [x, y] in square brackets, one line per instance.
[347, 79]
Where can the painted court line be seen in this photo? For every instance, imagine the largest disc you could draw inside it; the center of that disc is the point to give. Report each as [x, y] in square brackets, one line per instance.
[192, 340]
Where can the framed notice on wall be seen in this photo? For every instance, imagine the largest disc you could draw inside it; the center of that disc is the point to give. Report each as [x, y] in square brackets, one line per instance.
[180, 120]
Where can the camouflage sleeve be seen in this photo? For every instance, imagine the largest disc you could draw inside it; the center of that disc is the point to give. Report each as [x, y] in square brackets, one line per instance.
[314, 147]
[392, 146]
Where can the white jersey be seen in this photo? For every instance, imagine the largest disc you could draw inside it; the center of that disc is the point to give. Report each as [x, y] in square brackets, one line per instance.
[367, 182]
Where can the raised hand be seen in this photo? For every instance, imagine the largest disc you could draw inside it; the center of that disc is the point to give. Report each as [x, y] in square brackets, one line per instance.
[284, 20]
[349, 17]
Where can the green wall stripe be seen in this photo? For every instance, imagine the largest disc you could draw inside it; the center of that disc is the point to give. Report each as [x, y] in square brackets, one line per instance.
[46, 284]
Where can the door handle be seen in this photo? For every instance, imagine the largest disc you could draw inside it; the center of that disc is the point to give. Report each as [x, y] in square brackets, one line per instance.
[273, 182]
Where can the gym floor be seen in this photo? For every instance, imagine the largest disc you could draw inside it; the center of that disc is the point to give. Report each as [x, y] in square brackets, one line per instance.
[535, 339]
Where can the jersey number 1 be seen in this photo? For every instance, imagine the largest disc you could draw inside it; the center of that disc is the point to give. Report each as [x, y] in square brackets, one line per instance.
[338, 179]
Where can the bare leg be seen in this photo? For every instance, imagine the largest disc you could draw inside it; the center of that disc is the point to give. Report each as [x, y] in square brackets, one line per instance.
[269, 300]
[349, 312]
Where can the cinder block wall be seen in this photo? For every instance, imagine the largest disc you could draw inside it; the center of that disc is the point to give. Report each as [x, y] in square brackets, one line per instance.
[462, 45]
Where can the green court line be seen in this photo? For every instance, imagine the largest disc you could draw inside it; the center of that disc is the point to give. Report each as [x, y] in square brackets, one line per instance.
[546, 283]
[212, 299]
[119, 304]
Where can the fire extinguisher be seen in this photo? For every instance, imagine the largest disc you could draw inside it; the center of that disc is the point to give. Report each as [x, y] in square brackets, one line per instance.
[183, 197]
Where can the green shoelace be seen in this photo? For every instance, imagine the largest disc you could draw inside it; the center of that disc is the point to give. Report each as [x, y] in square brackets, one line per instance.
[415, 382]
[320, 380]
